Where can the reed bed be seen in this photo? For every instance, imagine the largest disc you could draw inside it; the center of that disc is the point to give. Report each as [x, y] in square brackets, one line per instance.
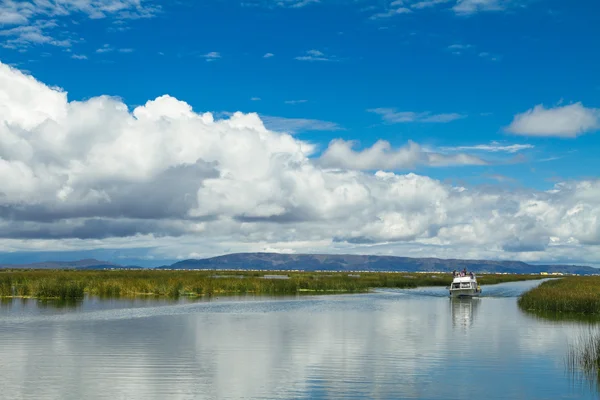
[570, 295]
[583, 356]
[73, 284]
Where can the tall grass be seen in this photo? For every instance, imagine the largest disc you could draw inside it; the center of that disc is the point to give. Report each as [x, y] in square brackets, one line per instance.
[44, 285]
[583, 356]
[72, 284]
[566, 295]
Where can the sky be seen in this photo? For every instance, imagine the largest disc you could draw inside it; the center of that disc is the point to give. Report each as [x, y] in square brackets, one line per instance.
[145, 132]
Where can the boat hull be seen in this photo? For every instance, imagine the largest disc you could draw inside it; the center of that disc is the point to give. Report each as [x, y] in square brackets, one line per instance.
[464, 292]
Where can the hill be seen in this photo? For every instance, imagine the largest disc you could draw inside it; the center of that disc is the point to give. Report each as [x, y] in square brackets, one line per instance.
[325, 262]
[337, 262]
[81, 264]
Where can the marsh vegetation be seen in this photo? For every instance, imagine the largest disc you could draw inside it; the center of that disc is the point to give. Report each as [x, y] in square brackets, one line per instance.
[569, 295]
[583, 356]
[73, 284]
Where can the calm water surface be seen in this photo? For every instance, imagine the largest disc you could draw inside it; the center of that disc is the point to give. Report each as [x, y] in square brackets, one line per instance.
[392, 344]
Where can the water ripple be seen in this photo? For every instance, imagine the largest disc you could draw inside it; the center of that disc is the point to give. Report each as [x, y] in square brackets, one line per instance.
[390, 344]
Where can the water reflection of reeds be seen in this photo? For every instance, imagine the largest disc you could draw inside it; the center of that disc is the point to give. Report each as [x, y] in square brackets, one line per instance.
[582, 360]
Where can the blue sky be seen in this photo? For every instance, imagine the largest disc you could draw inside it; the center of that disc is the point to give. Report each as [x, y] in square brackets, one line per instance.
[455, 77]
[528, 53]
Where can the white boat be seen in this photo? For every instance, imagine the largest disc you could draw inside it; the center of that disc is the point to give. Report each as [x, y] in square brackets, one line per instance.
[465, 285]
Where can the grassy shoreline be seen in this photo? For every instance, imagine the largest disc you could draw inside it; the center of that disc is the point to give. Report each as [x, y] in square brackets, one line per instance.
[73, 284]
[569, 295]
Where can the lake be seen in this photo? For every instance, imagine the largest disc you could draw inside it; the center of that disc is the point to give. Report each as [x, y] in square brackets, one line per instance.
[390, 344]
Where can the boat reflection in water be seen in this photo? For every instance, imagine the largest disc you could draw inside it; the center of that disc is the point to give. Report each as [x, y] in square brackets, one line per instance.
[463, 310]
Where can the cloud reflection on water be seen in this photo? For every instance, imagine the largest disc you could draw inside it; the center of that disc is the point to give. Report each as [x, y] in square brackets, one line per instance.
[381, 346]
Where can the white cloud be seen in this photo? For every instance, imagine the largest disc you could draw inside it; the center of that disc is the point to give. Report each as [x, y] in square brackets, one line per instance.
[279, 3]
[367, 8]
[269, 55]
[21, 37]
[488, 56]
[428, 3]
[105, 49]
[20, 12]
[393, 116]
[458, 49]
[295, 125]
[11, 17]
[97, 174]
[315, 55]
[36, 21]
[466, 7]
[294, 102]
[389, 9]
[79, 57]
[460, 7]
[567, 121]
[493, 147]
[340, 154]
[212, 56]
[255, 98]
[390, 13]
[459, 46]
[296, 3]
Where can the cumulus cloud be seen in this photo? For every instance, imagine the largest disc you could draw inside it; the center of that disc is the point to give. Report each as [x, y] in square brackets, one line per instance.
[567, 121]
[340, 154]
[97, 174]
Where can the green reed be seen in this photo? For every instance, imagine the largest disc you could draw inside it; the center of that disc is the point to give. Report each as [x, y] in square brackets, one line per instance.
[566, 295]
[72, 284]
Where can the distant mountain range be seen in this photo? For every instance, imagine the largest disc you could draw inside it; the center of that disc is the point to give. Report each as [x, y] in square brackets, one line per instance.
[327, 262]
[81, 264]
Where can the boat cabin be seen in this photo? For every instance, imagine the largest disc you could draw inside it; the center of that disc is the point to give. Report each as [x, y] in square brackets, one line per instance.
[464, 282]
